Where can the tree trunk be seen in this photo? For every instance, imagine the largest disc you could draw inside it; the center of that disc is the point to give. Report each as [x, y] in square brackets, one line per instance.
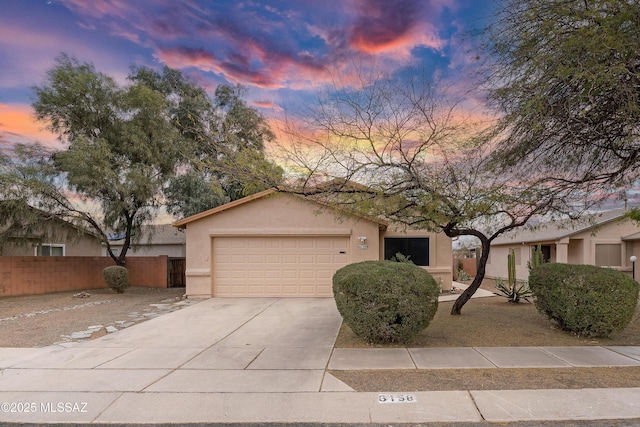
[477, 281]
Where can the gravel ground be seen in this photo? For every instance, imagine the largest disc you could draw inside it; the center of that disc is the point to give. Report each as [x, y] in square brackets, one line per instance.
[41, 320]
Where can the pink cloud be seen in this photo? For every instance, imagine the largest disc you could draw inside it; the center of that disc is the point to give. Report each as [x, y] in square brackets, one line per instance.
[17, 125]
[386, 27]
[268, 105]
[268, 46]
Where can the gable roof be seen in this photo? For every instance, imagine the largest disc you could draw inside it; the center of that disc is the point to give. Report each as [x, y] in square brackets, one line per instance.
[556, 230]
[18, 227]
[183, 222]
[157, 234]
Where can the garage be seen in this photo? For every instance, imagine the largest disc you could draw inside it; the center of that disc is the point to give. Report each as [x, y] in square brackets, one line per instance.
[283, 266]
[276, 244]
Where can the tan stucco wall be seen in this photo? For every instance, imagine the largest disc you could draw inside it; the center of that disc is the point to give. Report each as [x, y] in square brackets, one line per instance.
[440, 252]
[75, 244]
[172, 251]
[579, 248]
[497, 265]
[286, 215]
[273, 215]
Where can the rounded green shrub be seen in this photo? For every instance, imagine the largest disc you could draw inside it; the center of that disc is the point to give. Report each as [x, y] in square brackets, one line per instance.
[584, 299]
[385, 301]
[116, 277]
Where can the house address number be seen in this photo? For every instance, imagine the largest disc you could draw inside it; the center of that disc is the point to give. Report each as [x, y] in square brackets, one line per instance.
[396, 398]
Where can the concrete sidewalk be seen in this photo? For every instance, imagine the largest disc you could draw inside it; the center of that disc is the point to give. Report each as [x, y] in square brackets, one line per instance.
[266, 360]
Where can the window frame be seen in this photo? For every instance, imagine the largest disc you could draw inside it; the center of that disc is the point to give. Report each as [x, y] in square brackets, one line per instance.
[426, 239]
[38, 249]
[609, 255]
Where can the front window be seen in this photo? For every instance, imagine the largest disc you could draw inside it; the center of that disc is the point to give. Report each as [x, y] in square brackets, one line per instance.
[416, 248]
[50, 249]
[609, 255]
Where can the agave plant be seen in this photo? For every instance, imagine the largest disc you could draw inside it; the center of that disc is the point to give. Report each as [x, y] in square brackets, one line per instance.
[517, 292]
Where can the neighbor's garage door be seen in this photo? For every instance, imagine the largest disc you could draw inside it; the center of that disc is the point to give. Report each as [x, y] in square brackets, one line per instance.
[276, 266]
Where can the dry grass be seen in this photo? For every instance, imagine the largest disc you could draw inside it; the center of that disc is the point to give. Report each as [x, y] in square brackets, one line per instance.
[494, 322]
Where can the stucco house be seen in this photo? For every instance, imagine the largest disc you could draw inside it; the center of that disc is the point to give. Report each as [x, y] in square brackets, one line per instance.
[278, 244]
[156, 240]
[51, 237]
[605, 239]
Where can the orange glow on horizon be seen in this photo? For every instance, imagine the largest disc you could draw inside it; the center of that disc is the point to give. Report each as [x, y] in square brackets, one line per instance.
[18, 125]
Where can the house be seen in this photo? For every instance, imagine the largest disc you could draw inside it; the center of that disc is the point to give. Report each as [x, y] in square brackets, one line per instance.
[156, 240]
[278, 244]
[50, 236]
[605, 239]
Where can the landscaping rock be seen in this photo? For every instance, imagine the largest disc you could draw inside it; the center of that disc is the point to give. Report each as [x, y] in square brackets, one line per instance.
[81, 335]
[82, 294]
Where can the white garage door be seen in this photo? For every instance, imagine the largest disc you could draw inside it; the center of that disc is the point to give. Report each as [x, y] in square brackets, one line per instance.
[276, 266]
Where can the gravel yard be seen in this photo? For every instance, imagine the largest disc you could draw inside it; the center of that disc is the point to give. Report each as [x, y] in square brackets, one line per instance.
[41, 320]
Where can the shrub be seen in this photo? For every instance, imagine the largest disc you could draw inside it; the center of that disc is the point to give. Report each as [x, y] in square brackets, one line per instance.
[520, 291]
[385, 301]
[117, 278]
[584, 299]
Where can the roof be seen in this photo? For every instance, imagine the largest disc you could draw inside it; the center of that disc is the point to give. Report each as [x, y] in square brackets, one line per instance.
[183, 222]
[17, 226]
[634, 236]
[556, 230]
[163, 234]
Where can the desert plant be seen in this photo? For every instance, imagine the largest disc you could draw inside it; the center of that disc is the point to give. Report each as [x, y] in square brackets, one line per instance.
[515, 293]
[537, 258]
[584, 299]
[511, 268]
[116, 277]
[400, 257]
[463, 276]
[385, 301]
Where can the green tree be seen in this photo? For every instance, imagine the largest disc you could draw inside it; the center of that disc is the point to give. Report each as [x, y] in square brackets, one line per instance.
[15, 213]
[566, 82]
[238, 154]
[121, 150]
[228, 159]
[417, 164]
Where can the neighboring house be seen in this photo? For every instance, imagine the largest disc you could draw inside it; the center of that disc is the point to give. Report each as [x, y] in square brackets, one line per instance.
[156, 240]
[53, 237]
[605, 239]
[277, 244]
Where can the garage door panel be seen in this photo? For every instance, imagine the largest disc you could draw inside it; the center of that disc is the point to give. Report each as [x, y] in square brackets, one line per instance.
[255, 274]
[238, 244]
[324, 274]
[306, 259]
[255, 244]
[324, 259]
[238, 259]
[289, 259]
[276, 266]
[255, 258]
[290, 244]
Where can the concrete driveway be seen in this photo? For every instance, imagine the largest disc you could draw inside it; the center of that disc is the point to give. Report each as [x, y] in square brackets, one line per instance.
[264, 360]
[261, 345]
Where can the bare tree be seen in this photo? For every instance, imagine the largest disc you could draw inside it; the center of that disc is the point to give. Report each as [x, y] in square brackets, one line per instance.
[416, 160]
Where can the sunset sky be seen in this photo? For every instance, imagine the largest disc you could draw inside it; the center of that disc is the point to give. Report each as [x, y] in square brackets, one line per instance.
[282, 51]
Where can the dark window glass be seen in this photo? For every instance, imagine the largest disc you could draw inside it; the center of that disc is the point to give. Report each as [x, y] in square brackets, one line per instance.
[417, 248]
